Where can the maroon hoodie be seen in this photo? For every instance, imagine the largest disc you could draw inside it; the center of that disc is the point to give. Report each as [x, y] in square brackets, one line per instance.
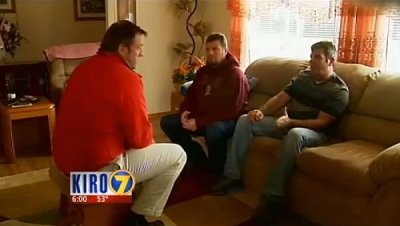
[218, 93]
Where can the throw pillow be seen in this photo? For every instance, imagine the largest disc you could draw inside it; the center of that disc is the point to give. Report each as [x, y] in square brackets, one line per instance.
[253, 81]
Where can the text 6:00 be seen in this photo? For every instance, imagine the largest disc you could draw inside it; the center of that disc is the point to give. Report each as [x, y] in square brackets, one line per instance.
[79, 198]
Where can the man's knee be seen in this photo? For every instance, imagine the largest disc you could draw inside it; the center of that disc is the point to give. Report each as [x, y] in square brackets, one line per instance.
[298, 134]
[242, 121]
[295, 138]
[177, 152]
[170, 121]
[218, 131]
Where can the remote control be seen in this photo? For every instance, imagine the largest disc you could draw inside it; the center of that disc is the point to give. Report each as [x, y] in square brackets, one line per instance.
[31, 98]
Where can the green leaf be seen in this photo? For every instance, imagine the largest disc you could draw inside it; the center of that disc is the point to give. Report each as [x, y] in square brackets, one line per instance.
[181, 45]
[190, 45]
[178, 6]
[177, 50]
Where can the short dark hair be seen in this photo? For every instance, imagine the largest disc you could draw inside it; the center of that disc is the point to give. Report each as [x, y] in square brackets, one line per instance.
[121, 32]
[328, 47]
[218, 37]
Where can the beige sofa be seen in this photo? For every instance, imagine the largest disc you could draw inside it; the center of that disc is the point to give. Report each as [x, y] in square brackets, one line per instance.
[356, 180]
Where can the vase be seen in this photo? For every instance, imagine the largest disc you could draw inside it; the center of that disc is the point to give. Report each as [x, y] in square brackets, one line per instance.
[178, 87]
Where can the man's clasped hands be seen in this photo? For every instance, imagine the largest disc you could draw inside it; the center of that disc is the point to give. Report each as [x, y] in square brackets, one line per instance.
[189, 124]
[254, 116]
[282, 122]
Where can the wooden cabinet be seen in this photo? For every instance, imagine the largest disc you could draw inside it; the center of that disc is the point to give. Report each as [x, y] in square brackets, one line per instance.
[24, 78]
[176, 100]
[42, 108]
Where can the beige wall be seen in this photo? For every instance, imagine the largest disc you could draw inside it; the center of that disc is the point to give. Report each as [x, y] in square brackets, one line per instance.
[157, 18]
[50, 22]
[217, 13]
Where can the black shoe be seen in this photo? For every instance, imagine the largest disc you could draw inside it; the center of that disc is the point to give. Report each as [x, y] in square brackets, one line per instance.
[139, 220]
[224, 185]
[269, 211]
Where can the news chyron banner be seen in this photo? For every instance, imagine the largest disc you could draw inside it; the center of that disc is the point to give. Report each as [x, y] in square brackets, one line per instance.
[102, 187]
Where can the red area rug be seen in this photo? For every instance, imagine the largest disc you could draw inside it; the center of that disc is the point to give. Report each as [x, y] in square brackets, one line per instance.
[3, 218]
[248, 223]
[190, 185]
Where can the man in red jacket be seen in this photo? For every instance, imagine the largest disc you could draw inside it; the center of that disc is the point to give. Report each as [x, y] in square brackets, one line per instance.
[217, 97]
[102, 122]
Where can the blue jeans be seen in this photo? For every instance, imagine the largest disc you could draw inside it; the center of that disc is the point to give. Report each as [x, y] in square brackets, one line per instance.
[216, 136]
[294, 141]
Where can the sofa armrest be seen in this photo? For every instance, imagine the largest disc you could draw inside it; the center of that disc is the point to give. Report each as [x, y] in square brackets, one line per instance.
[386, 165]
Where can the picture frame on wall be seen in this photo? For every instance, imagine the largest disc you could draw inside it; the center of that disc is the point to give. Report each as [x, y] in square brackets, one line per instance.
[7, 6]
[89, 9]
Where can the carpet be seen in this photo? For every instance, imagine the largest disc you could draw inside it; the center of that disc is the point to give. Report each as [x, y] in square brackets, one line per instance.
[40, 197]
[190, 186]
[36, 204]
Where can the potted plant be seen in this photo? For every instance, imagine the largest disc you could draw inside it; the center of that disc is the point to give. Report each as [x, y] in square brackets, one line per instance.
[186, 71]
[190, 63]
[10, 37]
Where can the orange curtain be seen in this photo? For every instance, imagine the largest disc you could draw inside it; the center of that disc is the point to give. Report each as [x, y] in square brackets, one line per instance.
[238, 42]
[363, 35]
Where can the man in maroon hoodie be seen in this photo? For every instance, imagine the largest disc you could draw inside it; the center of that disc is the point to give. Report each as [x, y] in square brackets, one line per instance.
[213, 103]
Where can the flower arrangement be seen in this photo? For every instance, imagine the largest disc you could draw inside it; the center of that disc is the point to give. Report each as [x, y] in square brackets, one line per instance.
[187, 70]
[10, 36]
[190, 63]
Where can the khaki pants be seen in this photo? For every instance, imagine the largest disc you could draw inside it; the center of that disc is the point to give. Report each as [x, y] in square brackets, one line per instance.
[157, 167]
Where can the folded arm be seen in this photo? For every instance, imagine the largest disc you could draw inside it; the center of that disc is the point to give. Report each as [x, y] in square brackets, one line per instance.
[189, 101]
[330, 111]
[276, 103]
[236, 93]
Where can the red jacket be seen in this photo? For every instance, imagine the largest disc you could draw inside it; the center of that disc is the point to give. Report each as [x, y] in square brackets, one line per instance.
[218, 93]
[102, 113]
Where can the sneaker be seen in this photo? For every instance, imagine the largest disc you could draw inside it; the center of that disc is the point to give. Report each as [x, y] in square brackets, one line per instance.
[224, 185]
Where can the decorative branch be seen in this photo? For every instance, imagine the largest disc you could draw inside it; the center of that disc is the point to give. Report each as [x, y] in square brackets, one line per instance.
[199, 29]
[189, 31]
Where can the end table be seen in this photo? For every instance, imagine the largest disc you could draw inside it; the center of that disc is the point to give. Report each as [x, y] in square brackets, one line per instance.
[176, 99]
[43, 107]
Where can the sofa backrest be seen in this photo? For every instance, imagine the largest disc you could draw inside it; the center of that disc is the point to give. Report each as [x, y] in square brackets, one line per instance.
[62, 61]
[372, 108]
[60, 70]
[377, 115]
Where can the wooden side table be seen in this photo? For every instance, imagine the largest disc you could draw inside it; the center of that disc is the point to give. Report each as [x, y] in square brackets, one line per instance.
[43, 107]
[176, 100]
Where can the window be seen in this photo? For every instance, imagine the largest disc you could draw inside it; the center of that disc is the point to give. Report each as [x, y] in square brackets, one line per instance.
[286, 32]
[287, 28]
[393, 45]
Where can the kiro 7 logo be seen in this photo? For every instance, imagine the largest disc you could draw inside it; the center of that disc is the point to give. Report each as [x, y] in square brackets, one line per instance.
[120, 182]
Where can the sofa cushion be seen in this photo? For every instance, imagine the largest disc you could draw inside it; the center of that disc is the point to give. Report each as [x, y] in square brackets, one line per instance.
[343, 164]
[260, 160]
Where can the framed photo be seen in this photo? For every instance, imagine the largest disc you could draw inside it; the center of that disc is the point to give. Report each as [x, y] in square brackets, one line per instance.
[7, 6]
[89, 9]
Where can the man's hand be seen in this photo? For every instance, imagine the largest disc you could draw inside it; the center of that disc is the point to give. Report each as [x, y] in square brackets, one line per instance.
[283, 122]
[184, 116]
[190, 124]
[255, 115]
